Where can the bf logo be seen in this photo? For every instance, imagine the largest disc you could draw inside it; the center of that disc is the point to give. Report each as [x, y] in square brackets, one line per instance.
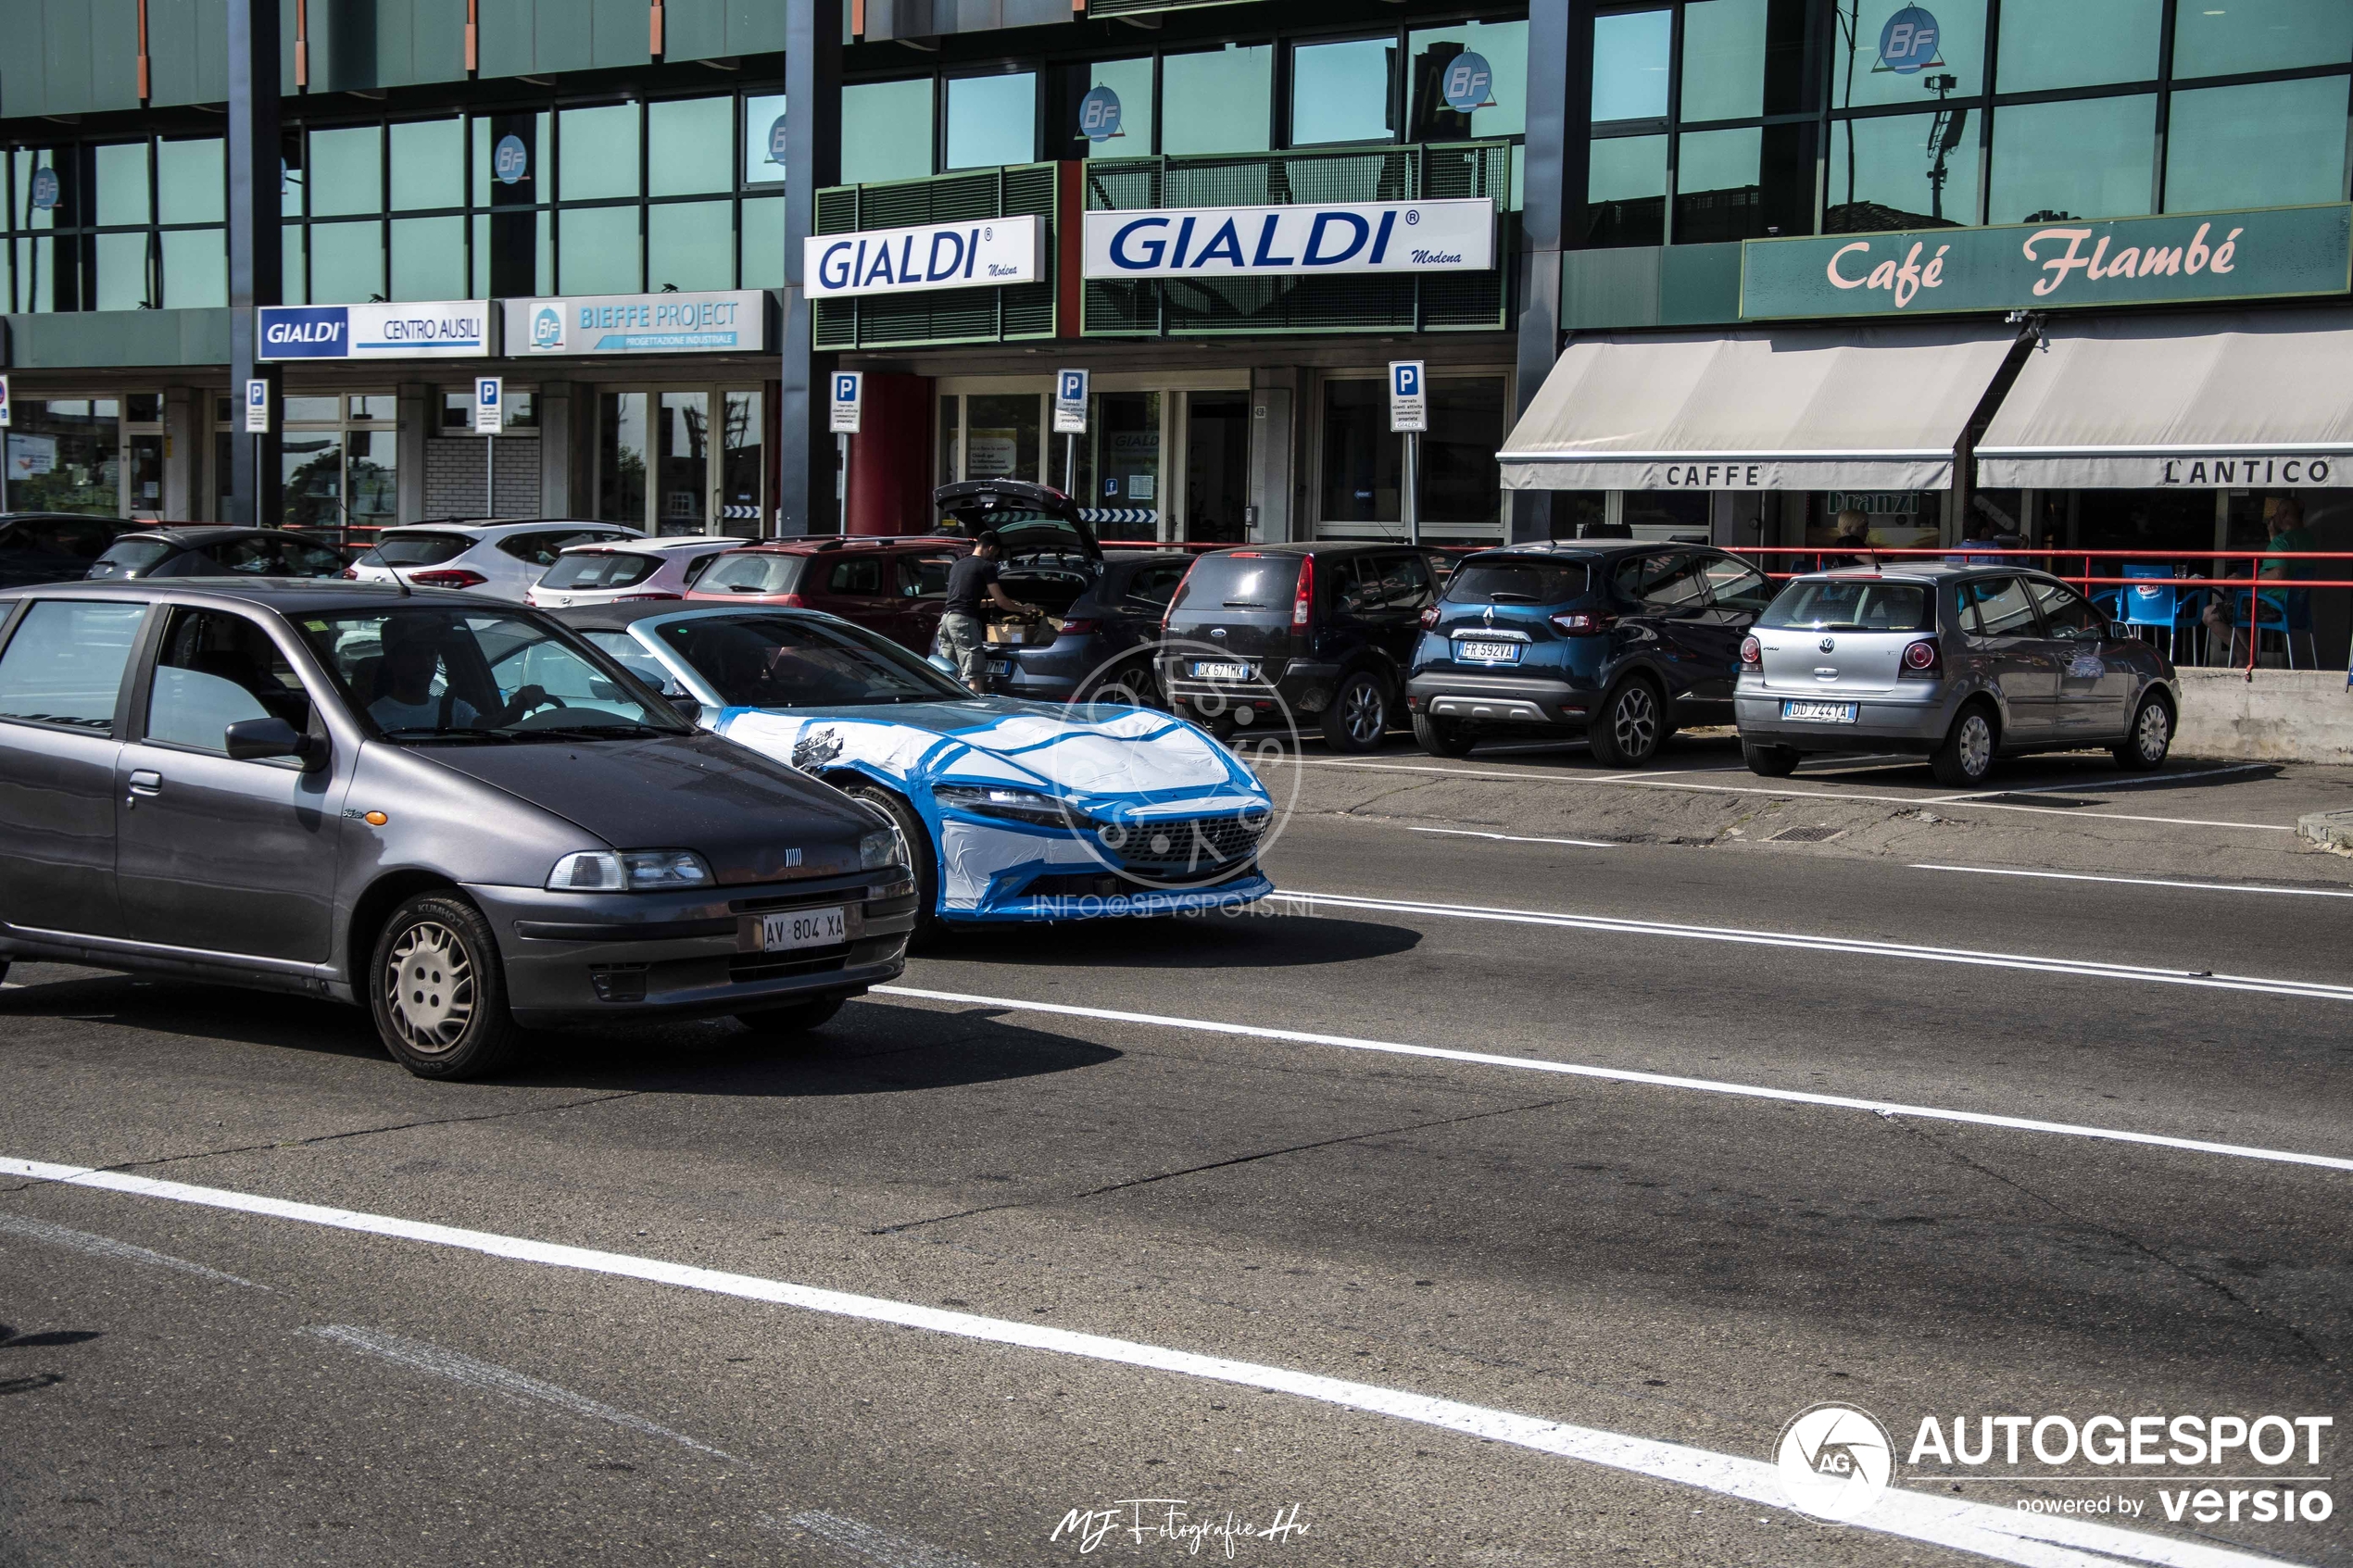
[1466, 81]
[1408, 380]
[1908, 40]
[1099, 114]
[510, 162]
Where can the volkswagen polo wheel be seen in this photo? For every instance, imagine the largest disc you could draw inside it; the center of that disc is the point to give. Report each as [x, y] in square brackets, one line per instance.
[437, 992]
[2144, 746]
[1966, 756]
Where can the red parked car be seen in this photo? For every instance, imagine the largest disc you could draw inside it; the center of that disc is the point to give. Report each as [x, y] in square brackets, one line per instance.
[896, 586]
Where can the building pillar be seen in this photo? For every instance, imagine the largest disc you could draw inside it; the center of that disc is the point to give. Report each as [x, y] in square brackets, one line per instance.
[557, 498]
[255, 255]
[186, 421]
[420, 410]
[890, 478]
[1559, 45]
[805, 502]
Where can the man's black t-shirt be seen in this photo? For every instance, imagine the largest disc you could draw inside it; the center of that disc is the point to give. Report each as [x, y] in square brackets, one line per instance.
[968, 582]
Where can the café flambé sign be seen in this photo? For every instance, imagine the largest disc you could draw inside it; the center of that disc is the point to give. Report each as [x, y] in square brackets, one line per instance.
[2272, 253]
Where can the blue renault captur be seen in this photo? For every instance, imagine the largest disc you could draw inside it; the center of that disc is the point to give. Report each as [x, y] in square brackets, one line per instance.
[1625, 642]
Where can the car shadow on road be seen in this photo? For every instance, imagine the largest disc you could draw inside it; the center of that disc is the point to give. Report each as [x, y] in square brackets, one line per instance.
[866, 1049]
[1246, 939]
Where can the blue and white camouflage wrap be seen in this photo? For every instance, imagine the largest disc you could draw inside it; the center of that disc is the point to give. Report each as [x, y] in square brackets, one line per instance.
[1146, 799]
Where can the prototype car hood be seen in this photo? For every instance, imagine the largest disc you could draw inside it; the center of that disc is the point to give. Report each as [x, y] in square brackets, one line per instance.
[1127, 759]
[740, 810]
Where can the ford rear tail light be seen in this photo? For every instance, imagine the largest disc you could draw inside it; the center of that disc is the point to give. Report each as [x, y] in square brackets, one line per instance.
[1751, 653]
[448, 577]
[1584, 622]
[1922, 661]
[1303, 602]
[1430, 618]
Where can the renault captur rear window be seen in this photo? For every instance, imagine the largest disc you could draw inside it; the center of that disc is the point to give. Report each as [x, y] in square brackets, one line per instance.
[1515, 583]
[1836, 606]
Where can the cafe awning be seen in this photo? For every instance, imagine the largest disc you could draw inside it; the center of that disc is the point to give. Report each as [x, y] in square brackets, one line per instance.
[1850, 408]
[2202, 402]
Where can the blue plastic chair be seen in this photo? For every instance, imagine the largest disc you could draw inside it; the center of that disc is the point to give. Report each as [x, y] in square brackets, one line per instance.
[2152, 601]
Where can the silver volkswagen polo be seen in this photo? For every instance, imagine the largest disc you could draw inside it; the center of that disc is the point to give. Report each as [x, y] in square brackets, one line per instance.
[1962, 663]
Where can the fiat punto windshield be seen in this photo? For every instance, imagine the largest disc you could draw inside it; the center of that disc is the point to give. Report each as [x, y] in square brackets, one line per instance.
[433, 675]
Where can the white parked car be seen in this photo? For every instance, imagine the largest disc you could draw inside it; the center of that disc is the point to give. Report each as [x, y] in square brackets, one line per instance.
[617, 574]
[501, 559]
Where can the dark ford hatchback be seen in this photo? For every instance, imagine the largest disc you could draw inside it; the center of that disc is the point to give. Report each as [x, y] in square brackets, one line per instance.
[451, 810]
[1624, 643]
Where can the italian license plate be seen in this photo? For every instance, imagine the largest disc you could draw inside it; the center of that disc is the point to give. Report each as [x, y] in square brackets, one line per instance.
[1820, 712]
[1001, 667]
[1490, 653]
[788, 929]
[1218, 670]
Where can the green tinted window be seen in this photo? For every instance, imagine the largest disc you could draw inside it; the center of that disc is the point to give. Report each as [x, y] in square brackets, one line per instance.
[764, 140]
[190, 181]
[428, 165]
[1340, 92]
[2082, 43]
[764, 242]
[1630, 50]
[689, 245]
[686, 143]
[122, 182]
[346, 262]
[346, 171]
[1217, 101]
[1882, 173]
[2274, 143]
[1132, 81]
[992, 119]
[2094, 158]
[1723, 59]
[2220, 37]
[599, 152]
[886, 130]
[600, 249]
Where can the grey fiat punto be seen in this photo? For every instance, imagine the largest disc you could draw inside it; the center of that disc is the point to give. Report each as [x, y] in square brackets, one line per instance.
[449, 810]
[1962, 662]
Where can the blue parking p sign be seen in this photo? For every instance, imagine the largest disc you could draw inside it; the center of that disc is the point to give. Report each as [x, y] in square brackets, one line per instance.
[1070, 402]
[848, 402]
[1408, 396]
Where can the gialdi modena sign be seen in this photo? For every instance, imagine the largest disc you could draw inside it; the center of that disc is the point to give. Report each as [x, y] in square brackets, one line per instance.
[933, 256]
[1450, 235]
[2274, 253]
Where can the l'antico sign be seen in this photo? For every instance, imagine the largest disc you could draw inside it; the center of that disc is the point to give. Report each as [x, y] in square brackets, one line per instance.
[1907, 278]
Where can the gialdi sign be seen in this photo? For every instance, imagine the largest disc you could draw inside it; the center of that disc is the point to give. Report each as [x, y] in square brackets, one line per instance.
[432, 330]
[1230, 242]
[2274, 253]
[975, 254]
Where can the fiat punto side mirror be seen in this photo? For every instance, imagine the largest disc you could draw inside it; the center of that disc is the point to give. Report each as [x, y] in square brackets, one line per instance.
[260, 740]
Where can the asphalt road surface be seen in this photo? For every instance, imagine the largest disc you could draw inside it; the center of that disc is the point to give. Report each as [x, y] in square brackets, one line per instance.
[1497, 1197]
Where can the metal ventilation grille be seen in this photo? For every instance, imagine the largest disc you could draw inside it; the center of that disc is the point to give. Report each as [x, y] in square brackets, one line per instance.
[980, 315]
[1461, 302]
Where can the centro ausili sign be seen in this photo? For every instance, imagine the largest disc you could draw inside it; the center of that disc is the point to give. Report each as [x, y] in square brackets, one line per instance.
[2267, 254]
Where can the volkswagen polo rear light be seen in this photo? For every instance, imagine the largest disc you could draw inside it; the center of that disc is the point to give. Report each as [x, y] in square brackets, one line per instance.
[1922, 661]
[448, 577]
[1751, 653]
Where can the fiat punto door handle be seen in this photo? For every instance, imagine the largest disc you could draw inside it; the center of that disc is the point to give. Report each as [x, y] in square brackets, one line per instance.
[146, 780]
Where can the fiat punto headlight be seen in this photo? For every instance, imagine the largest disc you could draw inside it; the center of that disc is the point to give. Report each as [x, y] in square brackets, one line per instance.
[629, 870]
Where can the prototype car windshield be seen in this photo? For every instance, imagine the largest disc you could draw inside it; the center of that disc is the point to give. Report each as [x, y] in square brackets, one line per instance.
[776, 661]
[426, 673]
[1836, 606]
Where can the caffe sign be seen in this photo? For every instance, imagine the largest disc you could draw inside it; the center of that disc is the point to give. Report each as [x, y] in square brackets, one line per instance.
[2272, 253]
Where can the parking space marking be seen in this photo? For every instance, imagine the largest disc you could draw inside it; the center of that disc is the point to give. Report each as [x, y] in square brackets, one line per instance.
[2037, 1540]
[1633, 1075]
[1654, 781]
[1860, 946]
[2141, 783]
[2146, 882]
[1520, 838]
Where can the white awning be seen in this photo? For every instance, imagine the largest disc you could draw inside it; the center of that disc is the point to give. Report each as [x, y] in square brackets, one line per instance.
[1852, 408]
[2199, 402]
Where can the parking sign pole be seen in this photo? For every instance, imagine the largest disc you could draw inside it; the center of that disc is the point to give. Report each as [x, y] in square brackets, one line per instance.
[1408, 417]
[1411, 499]
[7, 416]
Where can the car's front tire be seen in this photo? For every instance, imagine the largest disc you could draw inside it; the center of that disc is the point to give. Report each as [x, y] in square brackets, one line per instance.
[2144, 745]
[1771, 762]
[1965, 758]
[1358, 716]
[1632, 723]
[1443, 737]
[920, 849]
[437, 991]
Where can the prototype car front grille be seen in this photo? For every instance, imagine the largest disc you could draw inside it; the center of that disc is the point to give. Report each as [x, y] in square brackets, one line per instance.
[1188, 846]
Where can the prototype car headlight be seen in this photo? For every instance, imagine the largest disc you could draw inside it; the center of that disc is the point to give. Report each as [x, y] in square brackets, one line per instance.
[882, 847]
[628, 870]
[1016, 805]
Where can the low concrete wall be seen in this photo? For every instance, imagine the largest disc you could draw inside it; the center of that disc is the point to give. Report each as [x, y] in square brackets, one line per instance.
[2280, 716]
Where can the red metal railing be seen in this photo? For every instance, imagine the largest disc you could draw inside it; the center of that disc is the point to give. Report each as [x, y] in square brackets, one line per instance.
[1830, 559]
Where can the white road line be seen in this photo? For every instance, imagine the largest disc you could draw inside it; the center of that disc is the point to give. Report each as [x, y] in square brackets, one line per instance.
[2146, 882]
[1656, 782]
[2033, 1541]
[107, 1246]
[490, 1377]
[1518, 838]
[2141, 783]
[1852, 946]
[1630, 1075]
[861, 1540]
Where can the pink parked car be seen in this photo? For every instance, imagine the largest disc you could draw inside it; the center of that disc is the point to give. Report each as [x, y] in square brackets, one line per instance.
[619, 570]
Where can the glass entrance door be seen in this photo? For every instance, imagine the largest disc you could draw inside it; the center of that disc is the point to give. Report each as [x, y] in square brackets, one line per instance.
[662, 465]
[681, 465]
[1217, 467]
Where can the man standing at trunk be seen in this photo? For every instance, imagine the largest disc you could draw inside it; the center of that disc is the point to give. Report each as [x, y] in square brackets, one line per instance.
[964, 637]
